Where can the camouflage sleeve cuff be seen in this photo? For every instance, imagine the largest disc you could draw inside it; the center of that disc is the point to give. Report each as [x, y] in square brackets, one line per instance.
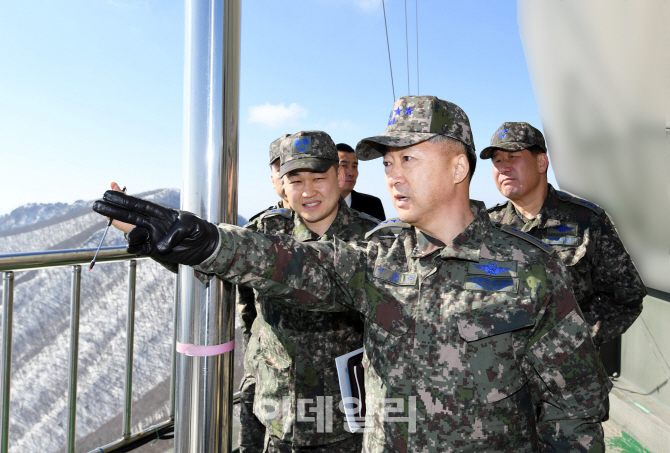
[202, 267]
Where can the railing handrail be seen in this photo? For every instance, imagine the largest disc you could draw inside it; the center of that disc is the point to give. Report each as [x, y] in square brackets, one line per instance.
[73, 257]
[55, 258]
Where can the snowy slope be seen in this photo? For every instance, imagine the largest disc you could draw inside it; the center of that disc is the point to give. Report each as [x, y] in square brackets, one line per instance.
[38, 410]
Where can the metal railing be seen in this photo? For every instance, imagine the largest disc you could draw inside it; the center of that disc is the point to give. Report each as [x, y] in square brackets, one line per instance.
[27, 261]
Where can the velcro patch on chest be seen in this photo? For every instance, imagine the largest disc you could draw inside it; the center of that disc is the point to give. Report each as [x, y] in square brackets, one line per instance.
[565, 234]
[484, 283]
[492, 275]
[493, 268]
[397, 278]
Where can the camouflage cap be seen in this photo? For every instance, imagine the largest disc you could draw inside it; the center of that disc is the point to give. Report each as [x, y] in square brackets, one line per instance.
[275, 148]
[415, 119]
[307, 150]
[513, 136]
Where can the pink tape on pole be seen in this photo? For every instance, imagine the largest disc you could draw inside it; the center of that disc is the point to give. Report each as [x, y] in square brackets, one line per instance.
[204, 351]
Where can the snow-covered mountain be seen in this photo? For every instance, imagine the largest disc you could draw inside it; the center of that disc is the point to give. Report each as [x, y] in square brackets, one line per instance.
[38, 410]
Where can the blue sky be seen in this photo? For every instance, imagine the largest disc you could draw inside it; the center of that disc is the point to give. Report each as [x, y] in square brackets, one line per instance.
[91, 91]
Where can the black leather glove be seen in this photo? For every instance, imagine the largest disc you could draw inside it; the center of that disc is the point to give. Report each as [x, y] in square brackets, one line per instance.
[160, 232]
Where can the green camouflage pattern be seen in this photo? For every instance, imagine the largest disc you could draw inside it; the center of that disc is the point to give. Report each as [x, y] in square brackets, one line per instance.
[307, 150]
[275, 148]
[514, 136]
[604, 279]
[479, 343]
[291, 351]
[252, 430]
[415, 119]
[273, 220]
[351, 445]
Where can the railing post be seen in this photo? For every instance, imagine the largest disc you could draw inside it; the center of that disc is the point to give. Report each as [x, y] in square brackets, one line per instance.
[7, 314]
[75, 300]
[130, 340]
[206, 312]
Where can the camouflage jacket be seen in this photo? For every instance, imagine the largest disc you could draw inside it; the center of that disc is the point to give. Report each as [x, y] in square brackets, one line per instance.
[291, 351]
[604, 279]
[480, 343]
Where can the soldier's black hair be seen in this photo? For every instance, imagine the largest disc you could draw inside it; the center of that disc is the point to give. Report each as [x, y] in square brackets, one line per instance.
[536, 150]
[344, 147]
[336, 166]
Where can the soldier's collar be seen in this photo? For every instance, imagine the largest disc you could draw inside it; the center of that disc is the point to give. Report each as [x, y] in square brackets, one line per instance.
[467, 245]
[550, 205]
[426, 244]
[543, 219]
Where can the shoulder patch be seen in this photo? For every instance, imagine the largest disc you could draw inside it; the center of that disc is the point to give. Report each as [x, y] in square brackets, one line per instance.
[287, 213]
[392, 225]
[496, 207]
[587, 204]
[257, 215]
[527, 237]
[566, 196]
[365, 216]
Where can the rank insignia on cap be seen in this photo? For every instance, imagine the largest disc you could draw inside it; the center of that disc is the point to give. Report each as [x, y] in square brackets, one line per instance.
[301, 144]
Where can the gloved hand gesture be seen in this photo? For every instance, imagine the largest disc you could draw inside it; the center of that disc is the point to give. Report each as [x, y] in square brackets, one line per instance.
[160, 232]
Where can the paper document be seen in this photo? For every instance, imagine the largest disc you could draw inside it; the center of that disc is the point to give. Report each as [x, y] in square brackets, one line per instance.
[350, 375]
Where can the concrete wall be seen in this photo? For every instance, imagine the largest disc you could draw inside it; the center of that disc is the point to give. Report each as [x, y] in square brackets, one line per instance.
[645, 356]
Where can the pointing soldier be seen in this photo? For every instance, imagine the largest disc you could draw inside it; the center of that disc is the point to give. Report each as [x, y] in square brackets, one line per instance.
[604, 279]
[473, 340]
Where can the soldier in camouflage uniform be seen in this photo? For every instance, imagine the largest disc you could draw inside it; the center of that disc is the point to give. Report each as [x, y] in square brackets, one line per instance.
[252, 431]
[604, 279]
[473, 340]
[291, 351]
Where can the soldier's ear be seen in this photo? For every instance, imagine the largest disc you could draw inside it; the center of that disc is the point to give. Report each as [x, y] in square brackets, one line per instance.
[542, 162]
[340, 176]
[461, 168]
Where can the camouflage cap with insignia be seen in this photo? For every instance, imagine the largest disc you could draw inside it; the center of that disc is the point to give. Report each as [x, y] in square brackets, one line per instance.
[415, 119]
[307, 150]
[513, 136]
[275, 147]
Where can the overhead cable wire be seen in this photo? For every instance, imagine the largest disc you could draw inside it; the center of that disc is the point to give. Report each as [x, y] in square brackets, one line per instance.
[407, 48]
[418, 89]
[389, 50]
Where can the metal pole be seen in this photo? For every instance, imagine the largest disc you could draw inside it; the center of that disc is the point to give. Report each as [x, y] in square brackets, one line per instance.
[130, 339]
[173, 375]
[7, 313]
[75, 301]
[206, 311]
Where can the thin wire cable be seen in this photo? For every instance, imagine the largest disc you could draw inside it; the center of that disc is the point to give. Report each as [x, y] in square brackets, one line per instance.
[389, 50]
[407, 48]
[418, 90]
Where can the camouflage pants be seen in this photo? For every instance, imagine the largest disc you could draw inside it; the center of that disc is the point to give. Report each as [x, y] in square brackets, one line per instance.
[352, 445]
[252, 431]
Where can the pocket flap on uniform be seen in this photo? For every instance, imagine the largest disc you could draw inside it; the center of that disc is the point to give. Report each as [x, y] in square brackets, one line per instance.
[494, 319]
